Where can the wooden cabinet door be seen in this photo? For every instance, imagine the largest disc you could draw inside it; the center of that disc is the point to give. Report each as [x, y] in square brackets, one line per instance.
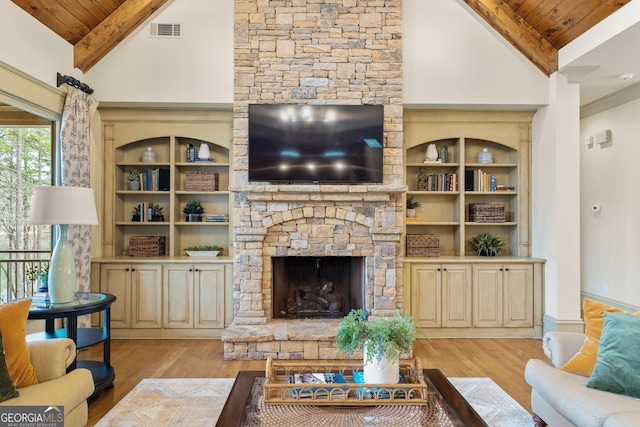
[115, 279]
[426, 295]
[518, 295]
[456, 295]
[209, 298]
[178, 296]
[487, 295]
[146, 291]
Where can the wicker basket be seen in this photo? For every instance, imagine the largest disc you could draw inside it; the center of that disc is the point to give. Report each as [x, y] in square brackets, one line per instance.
[201, 181]
[487, 212]
[425, 245]
[146, 246]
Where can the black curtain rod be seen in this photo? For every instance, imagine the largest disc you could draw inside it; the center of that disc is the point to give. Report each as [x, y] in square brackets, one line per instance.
[73, 82]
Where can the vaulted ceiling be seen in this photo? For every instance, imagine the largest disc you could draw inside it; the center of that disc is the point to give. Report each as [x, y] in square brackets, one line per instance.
[537, 28]
[93, 27]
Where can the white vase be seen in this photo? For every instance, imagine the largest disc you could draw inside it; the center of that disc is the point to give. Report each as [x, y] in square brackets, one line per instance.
[432, 153]
[411, 213]
[204, 153]
[383, 371]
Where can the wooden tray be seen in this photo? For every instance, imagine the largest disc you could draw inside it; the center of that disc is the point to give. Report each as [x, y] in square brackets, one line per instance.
[279, 391]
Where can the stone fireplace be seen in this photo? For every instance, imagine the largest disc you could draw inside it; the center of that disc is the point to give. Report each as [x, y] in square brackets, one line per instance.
[314, 52]
[316, 287]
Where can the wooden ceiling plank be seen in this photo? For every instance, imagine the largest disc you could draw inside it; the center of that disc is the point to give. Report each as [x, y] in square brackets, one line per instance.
[110, 5]
[55, 17]
[549, 11]
[581, 18]
[527, 7]
[115, 28]
[518, 32]
[83, 14]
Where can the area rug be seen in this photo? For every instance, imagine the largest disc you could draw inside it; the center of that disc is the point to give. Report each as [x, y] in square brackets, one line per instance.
[199, 401]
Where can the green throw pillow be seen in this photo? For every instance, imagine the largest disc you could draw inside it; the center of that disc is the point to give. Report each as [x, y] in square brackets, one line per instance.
[618, 367]
[7, 389]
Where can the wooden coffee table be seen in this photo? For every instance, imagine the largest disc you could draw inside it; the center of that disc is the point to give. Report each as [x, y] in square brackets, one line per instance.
[234, 411]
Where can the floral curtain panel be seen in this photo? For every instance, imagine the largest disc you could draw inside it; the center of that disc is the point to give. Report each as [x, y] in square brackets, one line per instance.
[79, 108]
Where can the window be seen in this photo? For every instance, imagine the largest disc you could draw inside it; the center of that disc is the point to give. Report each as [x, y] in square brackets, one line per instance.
[26, 161]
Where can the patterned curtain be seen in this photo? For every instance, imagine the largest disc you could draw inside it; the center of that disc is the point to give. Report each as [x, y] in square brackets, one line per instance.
[78, 110]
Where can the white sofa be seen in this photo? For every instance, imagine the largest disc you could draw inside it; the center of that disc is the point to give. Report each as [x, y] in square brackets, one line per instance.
[50, 359]
[560, 398]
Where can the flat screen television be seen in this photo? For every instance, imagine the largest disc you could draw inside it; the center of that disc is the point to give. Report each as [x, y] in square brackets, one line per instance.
[316, 143]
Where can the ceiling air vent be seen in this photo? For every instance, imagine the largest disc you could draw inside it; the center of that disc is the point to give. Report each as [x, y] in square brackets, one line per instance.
[173, 31]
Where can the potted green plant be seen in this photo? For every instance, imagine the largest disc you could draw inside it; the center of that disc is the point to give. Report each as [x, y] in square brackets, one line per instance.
[134, 179]
[486, 244]
[39, 273]
[383, 341]
[203, 250]
[194, 210]
[411, 206]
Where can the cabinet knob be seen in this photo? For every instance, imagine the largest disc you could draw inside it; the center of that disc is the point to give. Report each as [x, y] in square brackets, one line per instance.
[500, 269]
[133, 269]
[191, 269]
[197, 269]
[444, 269]
[506, 269]
[126, 269]
[438, 269]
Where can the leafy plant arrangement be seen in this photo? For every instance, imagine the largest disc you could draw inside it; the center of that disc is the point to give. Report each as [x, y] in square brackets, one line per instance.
[204, 248]
[40, 272]
[193, 207]
[486, 244]
[134, 175]
[411, 204]
[390, 336]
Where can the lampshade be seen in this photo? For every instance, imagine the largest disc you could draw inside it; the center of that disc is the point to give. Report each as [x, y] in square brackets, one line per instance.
[63, 205]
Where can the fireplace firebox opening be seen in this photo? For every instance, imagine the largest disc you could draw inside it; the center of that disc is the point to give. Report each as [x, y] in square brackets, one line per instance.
[317, 287]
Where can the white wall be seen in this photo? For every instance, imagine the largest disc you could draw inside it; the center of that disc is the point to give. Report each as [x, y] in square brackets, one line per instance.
[197, 68]
[32, 48]
[610, 177]
[453, 58]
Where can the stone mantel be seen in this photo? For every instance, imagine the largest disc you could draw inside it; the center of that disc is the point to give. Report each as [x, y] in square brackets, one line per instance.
[318, 192]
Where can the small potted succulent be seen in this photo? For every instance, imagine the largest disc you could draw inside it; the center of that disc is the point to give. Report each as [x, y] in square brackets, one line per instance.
[194, 210]
[134, 179]
[383, 341]
[486, 244]
[411, 207]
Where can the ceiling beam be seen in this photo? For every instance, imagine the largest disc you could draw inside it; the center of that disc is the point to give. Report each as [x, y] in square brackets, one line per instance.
[115, 28]
[518, 32]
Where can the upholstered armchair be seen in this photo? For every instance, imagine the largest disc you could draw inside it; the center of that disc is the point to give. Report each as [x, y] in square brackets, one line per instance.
[50, 359]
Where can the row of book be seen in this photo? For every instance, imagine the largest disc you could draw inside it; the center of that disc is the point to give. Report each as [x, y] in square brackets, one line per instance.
[217, 217]
[442, 182]
[147, 212]
[479, 180]
[155, 179]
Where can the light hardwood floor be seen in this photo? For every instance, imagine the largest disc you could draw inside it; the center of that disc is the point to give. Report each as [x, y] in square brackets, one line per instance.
[502, 360]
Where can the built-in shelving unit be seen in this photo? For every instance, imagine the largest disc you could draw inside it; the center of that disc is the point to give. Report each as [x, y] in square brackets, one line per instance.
[126, 138]
[445, 212]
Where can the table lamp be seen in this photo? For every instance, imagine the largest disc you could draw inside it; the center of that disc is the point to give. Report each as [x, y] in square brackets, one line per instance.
[62, 206]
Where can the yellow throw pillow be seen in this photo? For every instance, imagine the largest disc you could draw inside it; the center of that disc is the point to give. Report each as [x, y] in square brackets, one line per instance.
[13, 322]
[585, 359]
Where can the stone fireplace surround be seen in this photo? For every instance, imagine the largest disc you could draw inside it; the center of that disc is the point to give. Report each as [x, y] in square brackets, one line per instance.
[315, 52]
[309, 220]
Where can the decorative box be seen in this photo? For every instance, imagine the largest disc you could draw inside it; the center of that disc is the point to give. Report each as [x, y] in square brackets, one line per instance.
[487, 212]
[146, 246]
[425, 245]
[201, 181]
